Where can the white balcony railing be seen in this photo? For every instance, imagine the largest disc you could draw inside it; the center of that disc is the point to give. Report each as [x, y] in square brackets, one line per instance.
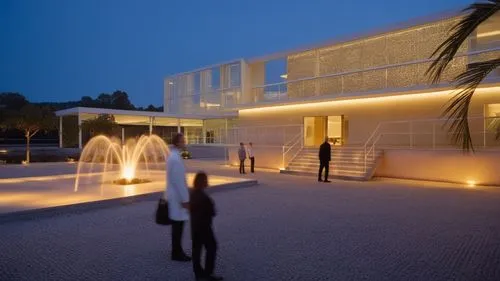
[431, 134]
[403, 76]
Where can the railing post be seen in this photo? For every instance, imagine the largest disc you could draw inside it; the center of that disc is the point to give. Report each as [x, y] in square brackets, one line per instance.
[225, 154]
[283, 154]
[342, 84]
[386, 78]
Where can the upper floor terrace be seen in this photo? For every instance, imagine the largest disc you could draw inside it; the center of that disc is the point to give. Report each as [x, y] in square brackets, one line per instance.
[384, 62]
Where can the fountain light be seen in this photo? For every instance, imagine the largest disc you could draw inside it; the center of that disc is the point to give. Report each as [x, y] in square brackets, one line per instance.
[121, 162]
[128, 173]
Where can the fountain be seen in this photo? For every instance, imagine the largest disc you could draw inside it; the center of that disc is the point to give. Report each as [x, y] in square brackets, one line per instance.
[120, 164]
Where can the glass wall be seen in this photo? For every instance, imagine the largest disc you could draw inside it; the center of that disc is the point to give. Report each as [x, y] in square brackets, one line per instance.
[192, 130]
[314, 130]
[209, 89]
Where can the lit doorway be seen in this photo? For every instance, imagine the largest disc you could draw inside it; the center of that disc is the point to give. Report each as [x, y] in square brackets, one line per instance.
[317, 128]
[314, 130]
[335, 130]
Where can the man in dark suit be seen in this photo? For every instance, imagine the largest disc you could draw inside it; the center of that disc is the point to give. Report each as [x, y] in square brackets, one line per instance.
[325, 154]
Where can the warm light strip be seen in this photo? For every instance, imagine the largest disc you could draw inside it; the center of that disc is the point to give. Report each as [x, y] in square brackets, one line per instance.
[488, 34]
[315, 105]
[57, 177]
[43, 178]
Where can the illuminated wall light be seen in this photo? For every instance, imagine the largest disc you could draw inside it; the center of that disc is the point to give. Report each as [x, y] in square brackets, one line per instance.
[471, 183]
[357, 101]
[284, 76]
[488, 34]
[3, 151]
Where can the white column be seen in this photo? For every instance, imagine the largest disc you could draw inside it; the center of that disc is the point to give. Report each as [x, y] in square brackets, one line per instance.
[60, 131]
[178, 125]
[123, 135]
[79, 131]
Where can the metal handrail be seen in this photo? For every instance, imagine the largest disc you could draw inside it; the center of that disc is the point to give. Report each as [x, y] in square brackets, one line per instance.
[298, 139]
[374, 138]
[294, 139]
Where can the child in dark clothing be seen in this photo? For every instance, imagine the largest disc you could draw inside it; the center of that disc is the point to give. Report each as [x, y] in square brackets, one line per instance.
[202, 211]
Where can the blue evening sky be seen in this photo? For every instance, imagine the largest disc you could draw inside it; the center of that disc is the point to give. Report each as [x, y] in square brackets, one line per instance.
[61, 50]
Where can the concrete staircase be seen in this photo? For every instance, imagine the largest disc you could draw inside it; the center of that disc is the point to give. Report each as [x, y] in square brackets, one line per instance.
[347, 163]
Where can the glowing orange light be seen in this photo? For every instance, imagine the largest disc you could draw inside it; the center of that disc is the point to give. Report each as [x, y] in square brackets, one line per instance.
[357, 101]
[128, 173]
[471, 183]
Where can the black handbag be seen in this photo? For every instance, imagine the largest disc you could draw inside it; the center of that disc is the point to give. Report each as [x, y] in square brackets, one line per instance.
[162, 217]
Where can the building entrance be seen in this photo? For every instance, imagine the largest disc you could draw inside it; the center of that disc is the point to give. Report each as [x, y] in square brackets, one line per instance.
[317, 128]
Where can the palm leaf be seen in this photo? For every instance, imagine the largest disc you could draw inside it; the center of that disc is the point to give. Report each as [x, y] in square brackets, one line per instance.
[478, 13]
[457, 110]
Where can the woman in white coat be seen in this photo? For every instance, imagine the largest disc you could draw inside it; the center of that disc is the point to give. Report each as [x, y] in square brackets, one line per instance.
[177, 196]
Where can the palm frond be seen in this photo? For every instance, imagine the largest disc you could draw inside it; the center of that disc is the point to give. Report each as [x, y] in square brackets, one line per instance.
[457, 110]
[444, 53]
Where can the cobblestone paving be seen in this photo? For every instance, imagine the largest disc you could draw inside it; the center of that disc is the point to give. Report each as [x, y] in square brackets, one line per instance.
[287, 228]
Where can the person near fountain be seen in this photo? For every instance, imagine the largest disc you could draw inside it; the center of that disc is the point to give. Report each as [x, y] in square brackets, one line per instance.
[177, 196]
[202, 211]
[242, 155]
[252, 157]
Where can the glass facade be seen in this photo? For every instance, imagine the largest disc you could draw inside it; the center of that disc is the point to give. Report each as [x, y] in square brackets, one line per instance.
[210, 89]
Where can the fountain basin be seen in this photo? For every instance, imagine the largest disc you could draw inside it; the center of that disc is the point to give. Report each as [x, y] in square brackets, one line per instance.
[41, 196]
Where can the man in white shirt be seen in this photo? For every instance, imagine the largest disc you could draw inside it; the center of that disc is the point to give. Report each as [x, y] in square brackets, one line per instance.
[251, 156]
[177, 196]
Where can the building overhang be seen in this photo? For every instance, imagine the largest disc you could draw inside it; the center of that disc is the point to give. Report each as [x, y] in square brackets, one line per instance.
[135, 113]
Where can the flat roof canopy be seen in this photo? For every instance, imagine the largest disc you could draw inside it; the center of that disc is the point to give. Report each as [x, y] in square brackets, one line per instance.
[135, 117]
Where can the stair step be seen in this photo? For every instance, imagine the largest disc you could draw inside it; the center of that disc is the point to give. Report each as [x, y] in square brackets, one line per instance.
[333, 162]
[337, 158]
[338, 152]
[346, 162]
[331, 176]
[332, 171]
[353, 166]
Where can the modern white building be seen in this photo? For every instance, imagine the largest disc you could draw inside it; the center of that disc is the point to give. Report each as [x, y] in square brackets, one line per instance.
[367, 94]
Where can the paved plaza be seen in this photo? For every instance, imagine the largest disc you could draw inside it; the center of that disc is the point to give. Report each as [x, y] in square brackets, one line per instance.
[286, 228]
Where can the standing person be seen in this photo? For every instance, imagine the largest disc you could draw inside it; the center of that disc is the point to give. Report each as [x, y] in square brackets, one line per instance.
[177, 196]
[252, 157]
[202, 211]
[325, 155]
[242, 154]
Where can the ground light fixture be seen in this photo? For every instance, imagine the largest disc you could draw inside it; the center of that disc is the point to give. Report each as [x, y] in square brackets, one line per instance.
[471, 183]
